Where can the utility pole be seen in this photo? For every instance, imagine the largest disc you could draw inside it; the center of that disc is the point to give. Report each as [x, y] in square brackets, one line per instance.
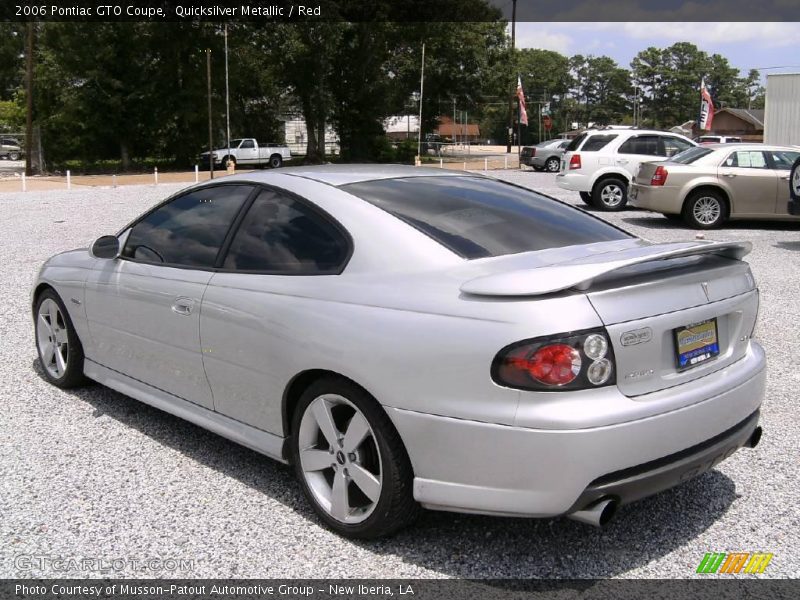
[29, 100]
[511, 97]
[227, 96]
[455, 135]
[210, 129]
[421, 84]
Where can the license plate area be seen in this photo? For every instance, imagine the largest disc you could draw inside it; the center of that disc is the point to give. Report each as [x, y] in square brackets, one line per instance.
[696, 344]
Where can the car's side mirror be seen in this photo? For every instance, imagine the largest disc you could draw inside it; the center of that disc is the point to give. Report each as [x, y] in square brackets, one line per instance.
[106, 247]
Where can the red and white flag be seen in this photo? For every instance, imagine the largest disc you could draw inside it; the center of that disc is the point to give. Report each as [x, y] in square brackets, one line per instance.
[523, 114]
[706, 107]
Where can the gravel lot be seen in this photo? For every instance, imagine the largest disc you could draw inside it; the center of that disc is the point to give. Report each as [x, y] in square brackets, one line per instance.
[93, 474]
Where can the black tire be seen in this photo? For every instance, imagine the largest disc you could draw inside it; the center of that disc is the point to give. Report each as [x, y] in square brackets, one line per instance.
[587, 198]
[705, 209]
[537, 169]
[276, 161]
[610, 194]
[72, 375]
[13, 156]
[395, 507]
[552, 165]
[794, 181]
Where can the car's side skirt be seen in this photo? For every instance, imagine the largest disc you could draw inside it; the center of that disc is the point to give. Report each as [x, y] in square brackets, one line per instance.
[261, 441]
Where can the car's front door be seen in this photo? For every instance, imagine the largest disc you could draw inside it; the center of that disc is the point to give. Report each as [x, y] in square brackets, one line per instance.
[248, 152]
[143, 308]
[752, 184]
[253, 315]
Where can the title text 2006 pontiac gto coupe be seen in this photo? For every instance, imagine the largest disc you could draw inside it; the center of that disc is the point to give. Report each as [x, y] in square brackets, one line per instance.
[409, 337]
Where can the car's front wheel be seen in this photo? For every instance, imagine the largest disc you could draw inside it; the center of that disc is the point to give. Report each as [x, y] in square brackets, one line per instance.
[13, 156]
[705, 209]
[610, 194]
[351, 462]
[59, 348]
[794, 181]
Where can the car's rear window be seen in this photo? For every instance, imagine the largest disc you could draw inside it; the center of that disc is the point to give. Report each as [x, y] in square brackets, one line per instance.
[478, 218]
[687, 157]
[575, 143]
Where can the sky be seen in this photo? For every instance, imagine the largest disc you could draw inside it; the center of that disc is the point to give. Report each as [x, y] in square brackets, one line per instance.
[745, 45]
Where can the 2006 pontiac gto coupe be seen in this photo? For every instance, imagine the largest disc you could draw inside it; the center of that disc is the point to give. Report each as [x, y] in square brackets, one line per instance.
[412, 337]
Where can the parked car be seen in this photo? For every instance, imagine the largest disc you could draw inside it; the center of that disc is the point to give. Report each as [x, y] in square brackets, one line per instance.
[10, 149]
[416, 337]
[600, 163]
[248, 151]
[544, 156]
[718, 139]
[708, 185]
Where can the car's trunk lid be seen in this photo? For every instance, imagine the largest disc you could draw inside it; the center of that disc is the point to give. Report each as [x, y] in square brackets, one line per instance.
[644, 295]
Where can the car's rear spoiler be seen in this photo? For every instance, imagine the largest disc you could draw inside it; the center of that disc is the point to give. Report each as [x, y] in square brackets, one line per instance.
[581, 273]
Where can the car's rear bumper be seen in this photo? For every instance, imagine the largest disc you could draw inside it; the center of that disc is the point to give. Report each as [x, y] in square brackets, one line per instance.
[467, 466]
[659, 199]
[576, 182]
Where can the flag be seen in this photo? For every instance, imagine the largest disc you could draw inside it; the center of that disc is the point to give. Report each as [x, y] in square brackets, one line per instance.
[523, 114]
[706, 107]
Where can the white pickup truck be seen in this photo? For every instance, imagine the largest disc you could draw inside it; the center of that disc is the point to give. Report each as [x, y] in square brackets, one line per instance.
[247, 151]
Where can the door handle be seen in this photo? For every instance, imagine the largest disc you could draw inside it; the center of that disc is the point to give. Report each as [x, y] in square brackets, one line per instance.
[729, 174]
[183, 305]
[622, 161]
[785, 177]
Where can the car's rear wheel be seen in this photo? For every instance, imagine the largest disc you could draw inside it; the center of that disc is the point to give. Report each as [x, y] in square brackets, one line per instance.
[59, 348]
[13, 156]
[351, 462]
[610, 194]
[275, 161]
[553, 165]
[587, 198]
[705, 209]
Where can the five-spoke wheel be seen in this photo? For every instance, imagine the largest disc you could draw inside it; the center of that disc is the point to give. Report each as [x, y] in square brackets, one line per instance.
[60, 351]
[350, 461]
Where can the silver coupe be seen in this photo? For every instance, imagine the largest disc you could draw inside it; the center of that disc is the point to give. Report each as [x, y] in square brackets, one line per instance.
[409, 337]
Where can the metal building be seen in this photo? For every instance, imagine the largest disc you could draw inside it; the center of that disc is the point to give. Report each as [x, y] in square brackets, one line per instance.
[782, 109]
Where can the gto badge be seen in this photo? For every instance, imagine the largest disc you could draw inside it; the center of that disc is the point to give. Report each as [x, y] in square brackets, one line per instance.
[637, 336]
[640, 374]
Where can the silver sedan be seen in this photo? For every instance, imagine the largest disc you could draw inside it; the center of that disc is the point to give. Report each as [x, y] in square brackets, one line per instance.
[410, 337]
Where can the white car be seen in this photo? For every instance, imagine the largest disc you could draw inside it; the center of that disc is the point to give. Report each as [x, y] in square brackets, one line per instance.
[600, 163]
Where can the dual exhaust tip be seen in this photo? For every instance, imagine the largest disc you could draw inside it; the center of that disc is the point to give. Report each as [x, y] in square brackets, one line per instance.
[600, 513]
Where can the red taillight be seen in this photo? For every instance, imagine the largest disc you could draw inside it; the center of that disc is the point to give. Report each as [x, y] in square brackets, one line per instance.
[659, 177]
[575, 161]
[554, 364]
[533, 151]
[573, 361]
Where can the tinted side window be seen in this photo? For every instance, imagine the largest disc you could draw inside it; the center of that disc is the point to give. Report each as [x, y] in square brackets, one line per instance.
[643, 144]
[189, 230]
[596, 142]
[247, 144]
[282, 235]
[783, 159]
[673, 145]
[478, 218]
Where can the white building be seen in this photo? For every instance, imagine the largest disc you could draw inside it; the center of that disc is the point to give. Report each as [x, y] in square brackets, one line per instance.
[296, 136]
[782, 109]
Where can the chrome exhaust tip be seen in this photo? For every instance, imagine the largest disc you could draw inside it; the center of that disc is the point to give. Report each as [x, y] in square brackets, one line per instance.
[752, 442]
[597, 514]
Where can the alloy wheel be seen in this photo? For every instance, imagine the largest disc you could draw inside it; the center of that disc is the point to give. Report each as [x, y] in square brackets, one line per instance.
[611, 195]
[707, 210]
[796, 182]
[52, 339]
[339, 458]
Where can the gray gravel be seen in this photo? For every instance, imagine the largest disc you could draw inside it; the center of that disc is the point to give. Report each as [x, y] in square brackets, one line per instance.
[93, 474]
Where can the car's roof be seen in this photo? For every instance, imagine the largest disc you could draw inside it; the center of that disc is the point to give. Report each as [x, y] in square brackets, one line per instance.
[750, 146]
[337, 175]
